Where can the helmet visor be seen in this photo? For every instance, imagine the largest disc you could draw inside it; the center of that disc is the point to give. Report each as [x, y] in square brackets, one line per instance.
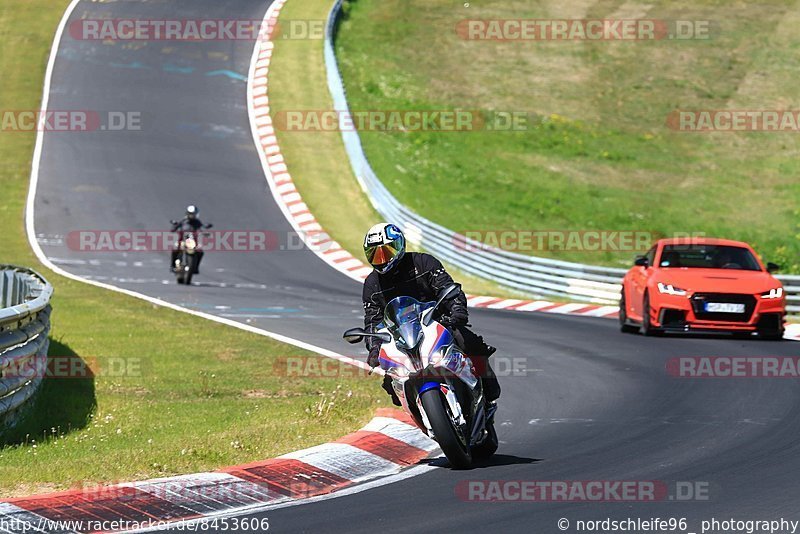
[379, 255]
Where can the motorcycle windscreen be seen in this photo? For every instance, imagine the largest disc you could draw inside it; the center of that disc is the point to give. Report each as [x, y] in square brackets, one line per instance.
[402, 317]
[410, 333]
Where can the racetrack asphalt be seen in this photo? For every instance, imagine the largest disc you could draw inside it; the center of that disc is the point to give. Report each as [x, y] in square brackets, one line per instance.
[589, 403]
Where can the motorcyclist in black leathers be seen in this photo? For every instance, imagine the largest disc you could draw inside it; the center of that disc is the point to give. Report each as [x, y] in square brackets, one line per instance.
[190, 223]
[422, 277]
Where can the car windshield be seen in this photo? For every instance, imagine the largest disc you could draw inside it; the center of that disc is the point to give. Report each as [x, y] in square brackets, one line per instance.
[709, 257]
[402, 317]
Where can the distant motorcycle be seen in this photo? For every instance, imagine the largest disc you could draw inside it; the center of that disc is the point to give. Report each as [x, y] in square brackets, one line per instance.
[187, 261]
[434, 380]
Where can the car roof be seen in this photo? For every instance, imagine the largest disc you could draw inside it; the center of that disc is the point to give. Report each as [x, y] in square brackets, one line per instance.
[701, 241]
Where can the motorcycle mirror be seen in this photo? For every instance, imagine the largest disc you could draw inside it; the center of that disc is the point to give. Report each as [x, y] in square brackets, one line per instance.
[209, 225]
[354, 335]
[446, 292]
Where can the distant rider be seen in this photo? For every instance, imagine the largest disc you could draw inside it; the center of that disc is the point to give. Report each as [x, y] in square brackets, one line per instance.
[190, 223]
[422, 277]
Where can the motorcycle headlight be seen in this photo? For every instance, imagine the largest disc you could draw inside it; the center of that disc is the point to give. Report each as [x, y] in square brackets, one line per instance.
[437, 357]
[773, 293]
[669, 289]
[191, 244]
[401, 372]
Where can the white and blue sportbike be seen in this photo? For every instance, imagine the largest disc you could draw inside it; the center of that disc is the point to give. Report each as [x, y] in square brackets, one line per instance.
[434, 380]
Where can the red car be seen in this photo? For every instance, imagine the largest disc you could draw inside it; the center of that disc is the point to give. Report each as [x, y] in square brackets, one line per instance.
[684, 285]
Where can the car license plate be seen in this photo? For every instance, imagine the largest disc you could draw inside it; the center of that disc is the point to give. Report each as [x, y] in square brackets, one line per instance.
[724, 307]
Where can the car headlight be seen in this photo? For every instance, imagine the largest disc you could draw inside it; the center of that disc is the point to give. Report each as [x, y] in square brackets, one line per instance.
[669, 289]
[773, 293]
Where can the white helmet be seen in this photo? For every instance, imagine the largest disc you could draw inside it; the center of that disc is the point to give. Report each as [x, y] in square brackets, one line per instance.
[191, 211]
[384, 246]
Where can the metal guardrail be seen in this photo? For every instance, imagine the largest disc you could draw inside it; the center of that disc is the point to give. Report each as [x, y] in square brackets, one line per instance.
[528, 274]
[791, 286]
[24, 327]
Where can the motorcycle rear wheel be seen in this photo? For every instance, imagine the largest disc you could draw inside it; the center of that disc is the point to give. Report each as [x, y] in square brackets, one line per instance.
[447, 435]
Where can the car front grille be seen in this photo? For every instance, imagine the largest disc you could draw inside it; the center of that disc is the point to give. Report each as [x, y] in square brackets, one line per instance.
[699, 300]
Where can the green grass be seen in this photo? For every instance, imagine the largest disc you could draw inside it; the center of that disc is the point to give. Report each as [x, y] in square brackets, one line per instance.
[598, 154]
[317, 160]
[199, 395]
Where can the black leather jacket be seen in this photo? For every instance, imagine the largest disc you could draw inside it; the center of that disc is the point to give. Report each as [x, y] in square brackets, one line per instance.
[187, 225]
[417, 275]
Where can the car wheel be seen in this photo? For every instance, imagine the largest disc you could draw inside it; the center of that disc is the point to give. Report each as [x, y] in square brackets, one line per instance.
[624, 326]
[647, 328]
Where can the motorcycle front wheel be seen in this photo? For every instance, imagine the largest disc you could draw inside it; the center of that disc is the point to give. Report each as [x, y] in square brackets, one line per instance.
[189, 261]
[444, 428]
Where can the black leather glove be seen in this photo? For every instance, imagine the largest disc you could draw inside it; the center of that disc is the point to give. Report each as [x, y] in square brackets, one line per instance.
[446, 320]
[453, 319]
[372, 359]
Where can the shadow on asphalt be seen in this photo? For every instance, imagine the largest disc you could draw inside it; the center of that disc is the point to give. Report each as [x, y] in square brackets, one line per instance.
[707, 335]
[497, 460]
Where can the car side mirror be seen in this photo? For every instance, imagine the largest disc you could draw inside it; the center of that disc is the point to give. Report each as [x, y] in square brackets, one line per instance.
[641, 261]
[773, 267]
